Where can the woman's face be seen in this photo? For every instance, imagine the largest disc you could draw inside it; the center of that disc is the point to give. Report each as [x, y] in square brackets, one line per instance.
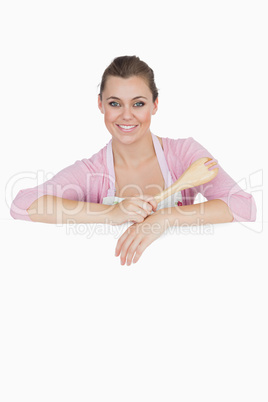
[127, 106]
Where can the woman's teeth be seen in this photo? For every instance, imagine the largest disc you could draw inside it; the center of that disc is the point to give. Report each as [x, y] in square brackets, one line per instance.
[126, 128]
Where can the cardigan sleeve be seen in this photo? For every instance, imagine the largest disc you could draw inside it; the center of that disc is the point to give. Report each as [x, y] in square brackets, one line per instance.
[223, 187]
[82, 181]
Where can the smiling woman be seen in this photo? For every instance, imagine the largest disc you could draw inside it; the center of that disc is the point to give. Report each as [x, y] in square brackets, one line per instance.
[119, 184]
[128, 105]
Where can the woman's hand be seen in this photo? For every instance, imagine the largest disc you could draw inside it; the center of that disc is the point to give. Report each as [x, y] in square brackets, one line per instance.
[133, 209]
[138, 237]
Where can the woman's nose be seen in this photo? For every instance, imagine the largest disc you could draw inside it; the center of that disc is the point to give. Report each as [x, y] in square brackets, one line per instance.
[127, 113]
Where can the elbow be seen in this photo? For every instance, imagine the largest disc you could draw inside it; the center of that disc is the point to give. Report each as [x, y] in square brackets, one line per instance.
[19, 205]
[12, 212]
[243, 208]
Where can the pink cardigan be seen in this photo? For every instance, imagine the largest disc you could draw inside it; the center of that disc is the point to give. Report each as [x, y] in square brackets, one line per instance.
[89, 180]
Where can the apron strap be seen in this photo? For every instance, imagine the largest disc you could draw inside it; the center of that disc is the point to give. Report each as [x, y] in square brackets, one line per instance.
[162, 161]
[110, 166]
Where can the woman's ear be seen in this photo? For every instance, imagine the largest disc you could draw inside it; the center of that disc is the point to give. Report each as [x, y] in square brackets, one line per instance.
[100, 104]
[155, 108]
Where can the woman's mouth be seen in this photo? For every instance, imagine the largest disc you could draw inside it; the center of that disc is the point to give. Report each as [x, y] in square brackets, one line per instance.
[126, 128]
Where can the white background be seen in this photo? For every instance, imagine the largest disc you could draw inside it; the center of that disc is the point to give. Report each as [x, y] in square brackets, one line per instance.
[188, 322]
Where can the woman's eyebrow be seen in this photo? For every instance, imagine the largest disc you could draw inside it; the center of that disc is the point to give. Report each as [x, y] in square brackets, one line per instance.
[115, 97]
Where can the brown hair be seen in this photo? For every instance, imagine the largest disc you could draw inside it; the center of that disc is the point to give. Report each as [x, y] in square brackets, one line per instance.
[129, 66]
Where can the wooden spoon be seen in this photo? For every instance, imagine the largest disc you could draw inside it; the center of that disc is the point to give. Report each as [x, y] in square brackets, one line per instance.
[196, 174]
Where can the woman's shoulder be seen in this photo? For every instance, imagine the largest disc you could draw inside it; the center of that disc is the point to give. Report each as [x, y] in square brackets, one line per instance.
[175, 145]
[97, 161]
[181, 152]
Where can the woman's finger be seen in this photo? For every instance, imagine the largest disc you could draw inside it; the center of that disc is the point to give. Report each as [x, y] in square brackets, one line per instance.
[120, 243]
[133, 205]
[133, 247]
[131, 241]
[140, 249]
[131, 231]
[148, 202]
[142, 212]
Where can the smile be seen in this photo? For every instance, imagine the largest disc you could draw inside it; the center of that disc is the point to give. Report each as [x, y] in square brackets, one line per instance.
[126, 128]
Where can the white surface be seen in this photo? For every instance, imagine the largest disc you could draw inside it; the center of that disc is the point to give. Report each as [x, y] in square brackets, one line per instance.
[189, 319]
[188, 322]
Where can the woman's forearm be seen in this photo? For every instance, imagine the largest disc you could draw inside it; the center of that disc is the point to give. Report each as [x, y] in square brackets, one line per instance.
[52, 209]
[213, 211]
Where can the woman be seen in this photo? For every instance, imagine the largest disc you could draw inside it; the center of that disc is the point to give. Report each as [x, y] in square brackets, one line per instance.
[118, 184]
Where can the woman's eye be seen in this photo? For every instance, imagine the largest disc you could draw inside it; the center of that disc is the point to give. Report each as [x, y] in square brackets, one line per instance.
[111, 103]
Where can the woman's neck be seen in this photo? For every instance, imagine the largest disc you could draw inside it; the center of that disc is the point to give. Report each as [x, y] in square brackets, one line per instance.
[133, 155]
